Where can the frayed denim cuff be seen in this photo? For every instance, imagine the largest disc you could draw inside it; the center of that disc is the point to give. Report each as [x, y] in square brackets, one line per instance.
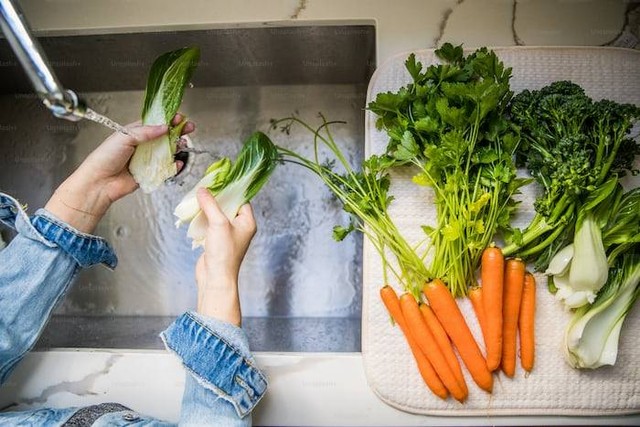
[217, 355]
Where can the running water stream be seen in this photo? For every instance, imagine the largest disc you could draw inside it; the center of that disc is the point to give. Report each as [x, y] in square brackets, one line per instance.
[105, 121]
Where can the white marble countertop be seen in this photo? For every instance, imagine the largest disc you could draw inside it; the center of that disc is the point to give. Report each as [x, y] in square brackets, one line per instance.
[402, 25]
[332, 387]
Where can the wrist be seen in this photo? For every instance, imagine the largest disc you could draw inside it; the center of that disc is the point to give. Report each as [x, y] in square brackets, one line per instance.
[219, 299]
[78, 204]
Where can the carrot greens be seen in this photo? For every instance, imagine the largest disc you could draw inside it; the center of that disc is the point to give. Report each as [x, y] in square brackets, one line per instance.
[450, 124]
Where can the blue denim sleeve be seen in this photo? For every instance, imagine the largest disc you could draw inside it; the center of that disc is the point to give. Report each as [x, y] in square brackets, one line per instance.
[223, 382]
[36, 270]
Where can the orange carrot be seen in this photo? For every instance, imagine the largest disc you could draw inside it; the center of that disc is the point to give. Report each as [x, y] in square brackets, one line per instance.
[429, 346]
[526, 322]
[431, 379]
[444, 343]
[450, 317]
[492, 274]
[513, 284]
[475, 295]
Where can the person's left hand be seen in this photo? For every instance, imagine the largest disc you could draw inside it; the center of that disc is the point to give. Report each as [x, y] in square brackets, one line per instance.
[84, 197]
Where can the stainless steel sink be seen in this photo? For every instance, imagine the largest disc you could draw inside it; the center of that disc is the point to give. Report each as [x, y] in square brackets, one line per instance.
[301, 291]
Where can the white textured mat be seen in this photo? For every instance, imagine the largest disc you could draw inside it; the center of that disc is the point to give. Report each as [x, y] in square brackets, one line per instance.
[553, 388]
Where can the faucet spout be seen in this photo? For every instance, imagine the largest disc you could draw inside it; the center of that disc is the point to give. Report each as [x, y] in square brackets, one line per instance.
[62, 103]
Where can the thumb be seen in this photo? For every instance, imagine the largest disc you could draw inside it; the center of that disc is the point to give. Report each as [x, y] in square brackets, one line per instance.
[147, 133]
[210, 207]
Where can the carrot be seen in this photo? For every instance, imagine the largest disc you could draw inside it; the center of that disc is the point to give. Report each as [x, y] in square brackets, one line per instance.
[492, 274]
[450, 317]
[513, 284]
[429, 376]
[444, 343]
[429, 346]
[475, 295]
[526, 322]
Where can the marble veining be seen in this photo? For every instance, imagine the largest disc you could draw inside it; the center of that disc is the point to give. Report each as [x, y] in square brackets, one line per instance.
[443, 23]
[300, 7]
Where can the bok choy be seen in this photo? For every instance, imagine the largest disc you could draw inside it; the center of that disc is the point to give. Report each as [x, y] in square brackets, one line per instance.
[579, 271]
[153, 162]
[591, 338]
[232, 184]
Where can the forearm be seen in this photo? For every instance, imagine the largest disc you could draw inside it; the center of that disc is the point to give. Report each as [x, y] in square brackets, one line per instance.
[79, 204]
[220, 300]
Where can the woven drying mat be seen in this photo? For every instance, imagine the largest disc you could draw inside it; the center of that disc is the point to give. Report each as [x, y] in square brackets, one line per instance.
[552, 388]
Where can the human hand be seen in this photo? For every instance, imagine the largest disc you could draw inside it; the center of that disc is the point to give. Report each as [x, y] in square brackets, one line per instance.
[103, 177]
[217, 269]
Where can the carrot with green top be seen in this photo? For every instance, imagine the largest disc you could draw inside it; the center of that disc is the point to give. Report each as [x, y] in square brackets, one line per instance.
[444, 343]
[526, 322]
[450, 316]
[429, 375]
[513, 284]
[492, 276]
[427, 343]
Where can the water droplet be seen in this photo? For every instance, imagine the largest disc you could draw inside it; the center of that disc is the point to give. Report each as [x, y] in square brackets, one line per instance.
[122, 231]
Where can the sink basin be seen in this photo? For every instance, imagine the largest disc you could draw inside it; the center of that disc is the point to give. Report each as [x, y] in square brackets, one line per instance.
[300, 290]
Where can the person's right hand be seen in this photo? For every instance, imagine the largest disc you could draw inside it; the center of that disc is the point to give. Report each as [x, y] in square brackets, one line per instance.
[218, 268]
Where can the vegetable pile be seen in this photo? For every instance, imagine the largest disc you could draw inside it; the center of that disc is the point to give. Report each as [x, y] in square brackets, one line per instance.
[364, 195]
[461, 130]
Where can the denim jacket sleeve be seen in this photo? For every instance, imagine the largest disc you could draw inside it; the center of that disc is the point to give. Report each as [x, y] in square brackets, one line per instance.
[219, 364]
[36, 270]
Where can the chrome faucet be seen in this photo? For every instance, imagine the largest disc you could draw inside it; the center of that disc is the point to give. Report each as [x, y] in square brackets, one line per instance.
[63, 103]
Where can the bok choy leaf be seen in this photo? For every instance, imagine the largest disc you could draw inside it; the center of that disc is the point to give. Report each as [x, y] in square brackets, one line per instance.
[232, 184]
[152, 162]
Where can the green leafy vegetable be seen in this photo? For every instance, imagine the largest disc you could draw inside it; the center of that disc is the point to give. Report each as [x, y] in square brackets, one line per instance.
[450, 123]
[591, 338]
[581, 269]
[576, 149]
[365, 196]
[233, 185]
[152, 162]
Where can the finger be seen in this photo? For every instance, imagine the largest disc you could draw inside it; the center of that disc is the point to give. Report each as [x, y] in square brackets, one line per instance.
[147, 133]
[188, 128]
[245, 219]
[177, 119]
[179, 166]
[210, 207]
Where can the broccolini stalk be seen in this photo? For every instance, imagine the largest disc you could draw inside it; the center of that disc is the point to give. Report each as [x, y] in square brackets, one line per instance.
[449, 123]
[573, 147]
